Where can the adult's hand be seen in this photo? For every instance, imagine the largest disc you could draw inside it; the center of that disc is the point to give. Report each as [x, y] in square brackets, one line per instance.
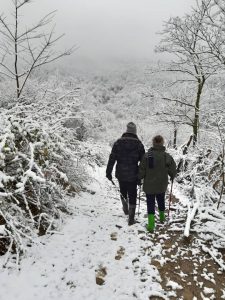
[171, 178]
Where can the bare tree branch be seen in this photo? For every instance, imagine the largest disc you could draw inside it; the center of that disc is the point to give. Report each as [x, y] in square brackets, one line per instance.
[2, 21]
[43, 22]
[178, 101]
[21, 47]
[22, 3]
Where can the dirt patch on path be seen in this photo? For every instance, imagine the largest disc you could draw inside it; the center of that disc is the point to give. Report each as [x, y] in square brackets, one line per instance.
[196, 273]
[187, 272]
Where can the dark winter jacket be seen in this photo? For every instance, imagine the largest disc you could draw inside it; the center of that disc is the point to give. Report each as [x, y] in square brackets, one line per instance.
[127, 152]
[154, 168]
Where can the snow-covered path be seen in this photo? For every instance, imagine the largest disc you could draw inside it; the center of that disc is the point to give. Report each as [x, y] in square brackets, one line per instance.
[96, 237]
[97, 256]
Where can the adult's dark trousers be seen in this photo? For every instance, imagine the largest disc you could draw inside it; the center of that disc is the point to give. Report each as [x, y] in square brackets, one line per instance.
[160, 198]
[128, 191]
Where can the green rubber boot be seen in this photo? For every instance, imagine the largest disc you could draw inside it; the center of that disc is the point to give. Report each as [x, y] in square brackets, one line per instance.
[151, 222]
[161, 216]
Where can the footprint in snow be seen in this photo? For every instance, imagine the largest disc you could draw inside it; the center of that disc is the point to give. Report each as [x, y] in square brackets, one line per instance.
[100, 275]
[113, 236]
[120, 253]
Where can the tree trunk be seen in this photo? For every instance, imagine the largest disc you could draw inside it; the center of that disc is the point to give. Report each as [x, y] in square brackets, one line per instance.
[197, 111]
[16, 53]
[175, 136]
[185, 150]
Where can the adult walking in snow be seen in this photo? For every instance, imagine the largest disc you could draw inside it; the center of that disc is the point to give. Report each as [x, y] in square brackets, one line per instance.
[127, 152]
[154, 168]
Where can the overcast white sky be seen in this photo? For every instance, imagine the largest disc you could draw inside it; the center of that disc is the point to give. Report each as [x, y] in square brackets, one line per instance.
[108, 29]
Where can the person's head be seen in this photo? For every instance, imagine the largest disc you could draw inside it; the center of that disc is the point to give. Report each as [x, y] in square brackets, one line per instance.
[158, 140]
[131, 128]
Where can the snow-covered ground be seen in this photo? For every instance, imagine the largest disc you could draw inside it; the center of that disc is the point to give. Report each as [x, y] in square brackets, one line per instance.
[97, 256]
[95, 244]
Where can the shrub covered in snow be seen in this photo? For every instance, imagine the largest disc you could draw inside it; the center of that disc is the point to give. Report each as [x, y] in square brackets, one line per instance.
[36, 172]
[201, 178]
[198, 173]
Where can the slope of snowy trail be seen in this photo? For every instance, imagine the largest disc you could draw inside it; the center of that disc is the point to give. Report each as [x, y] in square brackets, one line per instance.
[95, 256]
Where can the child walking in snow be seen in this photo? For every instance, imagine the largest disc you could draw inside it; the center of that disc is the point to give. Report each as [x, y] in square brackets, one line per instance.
[154, 168]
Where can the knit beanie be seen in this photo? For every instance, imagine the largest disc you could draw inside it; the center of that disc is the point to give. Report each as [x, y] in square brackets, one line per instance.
[131, 128]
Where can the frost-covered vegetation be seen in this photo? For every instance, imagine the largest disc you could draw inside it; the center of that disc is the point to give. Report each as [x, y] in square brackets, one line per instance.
[195, 93]
[44, 155]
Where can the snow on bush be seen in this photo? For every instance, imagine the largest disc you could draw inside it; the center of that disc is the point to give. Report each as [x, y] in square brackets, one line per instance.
[36, 172]
[200, 177]
[45, 154]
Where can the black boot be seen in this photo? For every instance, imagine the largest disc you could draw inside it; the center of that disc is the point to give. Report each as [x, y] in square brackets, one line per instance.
[125, 205]
[132, 209]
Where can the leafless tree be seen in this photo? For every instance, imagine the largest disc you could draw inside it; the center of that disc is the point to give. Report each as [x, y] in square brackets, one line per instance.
[212, 33]
[190, 58]
[24, 49]
[173, 113]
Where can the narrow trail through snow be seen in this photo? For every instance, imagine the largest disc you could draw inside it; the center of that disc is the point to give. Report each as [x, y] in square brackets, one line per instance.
[65, 265]
[97, 256]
